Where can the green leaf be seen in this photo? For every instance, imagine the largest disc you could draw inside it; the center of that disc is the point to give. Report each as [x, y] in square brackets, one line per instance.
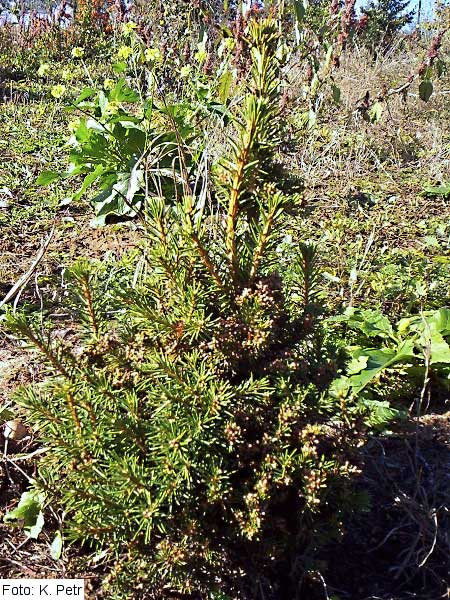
[425, 89]
[440, 190]
[34, 531]
[5, 412]
[47, 177]
[29, 512]
[409, 324]
[88, 181]
[224, 86]
[375, 112]
[440, 350]
[56, 546]
[381, 412]
[377, 361]
[119, 199]
[119, 67]
[123, 93]
[103, 103]
[428, 323]
[440, 321]
[86, 93]
[125, 120]
[330, 277]
[372, 323]
[336, 93]
[94, 125]
[357, 364]
[431, 241]
[82, 132]
[135, 183]
[440, 67]
[312, 119]
[329, 54]
[428, 73]
[299, 10]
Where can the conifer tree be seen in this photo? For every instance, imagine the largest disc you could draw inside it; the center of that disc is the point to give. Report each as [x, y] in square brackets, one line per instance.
[384, 19]
[183, 432]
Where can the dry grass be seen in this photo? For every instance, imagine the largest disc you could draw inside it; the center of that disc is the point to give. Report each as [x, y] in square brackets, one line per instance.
[411, 134]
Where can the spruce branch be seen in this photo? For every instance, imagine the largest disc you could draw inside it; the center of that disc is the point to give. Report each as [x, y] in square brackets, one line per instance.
[18, 324]
[310, 273]
[257, 126]
[82, 275]
[237, 186]
[73, 411]
[206, 260]
[26, 397]
[275, 207]
[89, 303]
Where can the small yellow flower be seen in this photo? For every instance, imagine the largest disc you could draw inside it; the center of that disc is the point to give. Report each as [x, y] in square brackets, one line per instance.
[152, 55]
[77, 52]
[185, 71]
[124, 52]
[43, 69]
[129, 27]
[112, 108]
[58, 90]
[108, 84]
[66, 74]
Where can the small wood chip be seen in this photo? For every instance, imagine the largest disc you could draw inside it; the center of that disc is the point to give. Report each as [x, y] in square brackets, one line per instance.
[15, 430]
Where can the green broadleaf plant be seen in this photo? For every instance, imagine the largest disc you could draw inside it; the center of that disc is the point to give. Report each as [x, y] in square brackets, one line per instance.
[122, 154]
[408, 345]
[425, 89]
[28, 513]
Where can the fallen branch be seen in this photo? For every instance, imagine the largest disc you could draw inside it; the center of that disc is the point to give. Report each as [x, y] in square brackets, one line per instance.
[20, 283]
